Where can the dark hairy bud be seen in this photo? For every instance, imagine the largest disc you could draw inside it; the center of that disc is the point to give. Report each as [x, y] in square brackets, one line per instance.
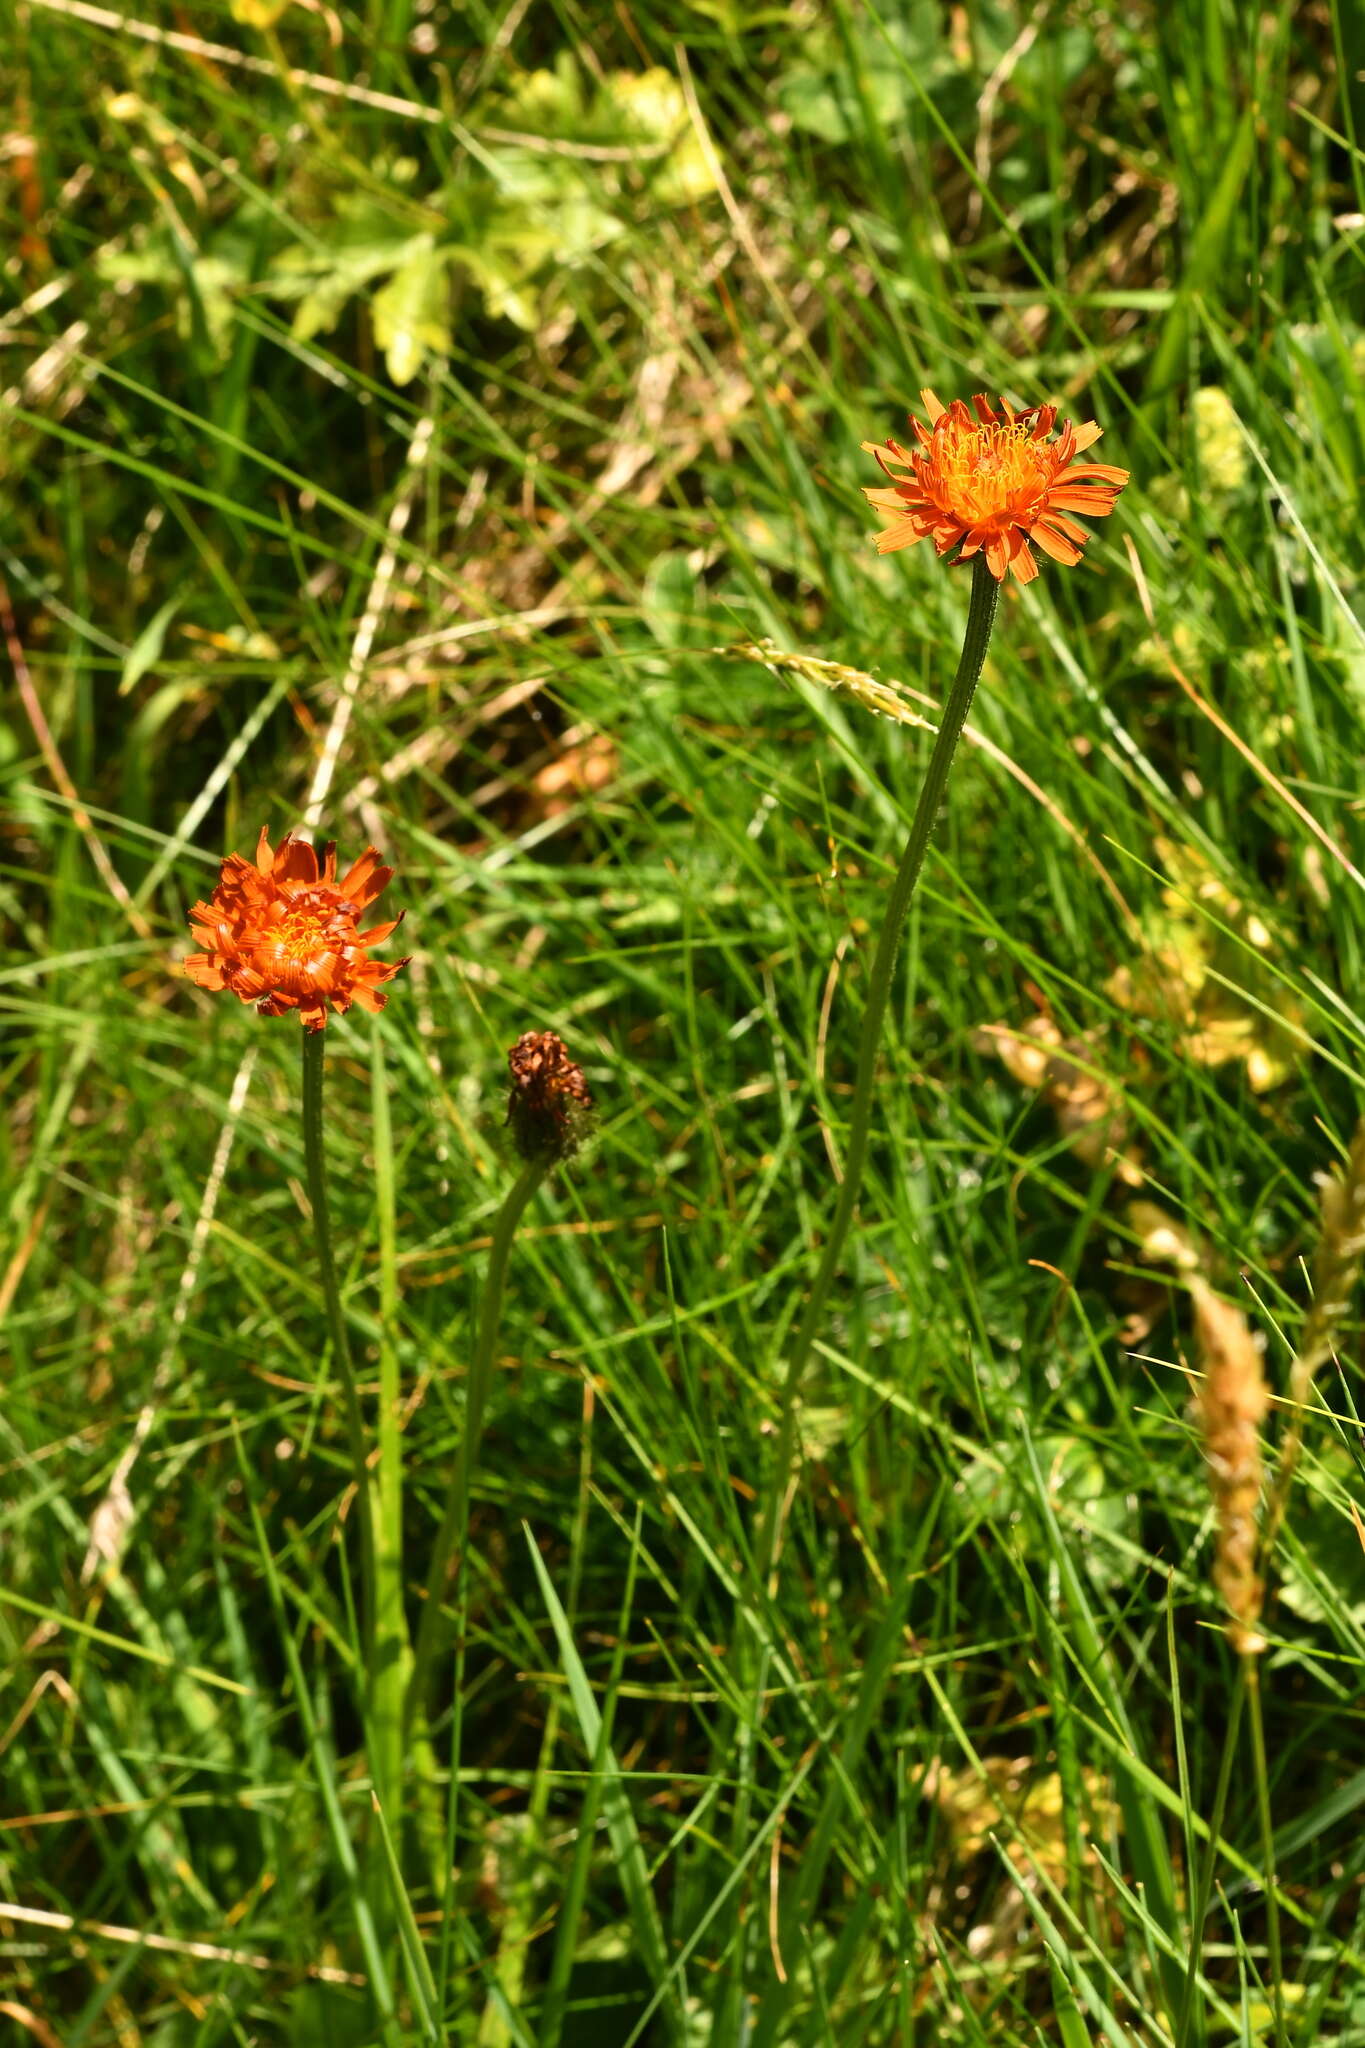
[549, 1108]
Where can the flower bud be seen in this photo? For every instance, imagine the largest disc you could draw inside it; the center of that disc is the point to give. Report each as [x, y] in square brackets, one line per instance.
[549, 1108]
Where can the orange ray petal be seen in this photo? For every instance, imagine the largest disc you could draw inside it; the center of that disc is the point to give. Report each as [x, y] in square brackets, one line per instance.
[375, 971]
[1104, 471]
[362, 882]
[997, 556]
[1074, 501]
[1053, 543]
[890, 461]
[903, 534]
[295, 861]
[1021, 560]
[1061, 524]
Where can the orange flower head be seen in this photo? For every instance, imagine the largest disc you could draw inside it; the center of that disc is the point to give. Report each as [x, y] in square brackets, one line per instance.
[995, 482]
[285, 934]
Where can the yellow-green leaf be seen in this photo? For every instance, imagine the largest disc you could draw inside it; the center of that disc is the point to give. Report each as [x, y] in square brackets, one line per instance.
[412, 312]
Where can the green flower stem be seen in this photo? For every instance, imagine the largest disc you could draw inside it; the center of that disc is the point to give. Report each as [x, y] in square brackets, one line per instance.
[451, 1535]
[980, 619]
[314, 1159]
[392, 1658]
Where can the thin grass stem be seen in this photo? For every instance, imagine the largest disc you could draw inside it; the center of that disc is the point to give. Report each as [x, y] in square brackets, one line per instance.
[1204, 1884]
[1252, 1680]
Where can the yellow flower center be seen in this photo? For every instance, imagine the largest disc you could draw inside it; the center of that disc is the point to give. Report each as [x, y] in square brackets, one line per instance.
[978, 473]
[299, 945]
[302, 934]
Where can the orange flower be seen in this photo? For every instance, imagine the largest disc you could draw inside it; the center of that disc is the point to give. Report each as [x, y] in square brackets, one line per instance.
[284, 936]
[994, 482]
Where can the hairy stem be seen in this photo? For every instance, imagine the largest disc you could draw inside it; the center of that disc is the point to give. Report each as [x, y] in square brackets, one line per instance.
[392, 1660]
[314, 1158]
[450, 1538]
[980, 619]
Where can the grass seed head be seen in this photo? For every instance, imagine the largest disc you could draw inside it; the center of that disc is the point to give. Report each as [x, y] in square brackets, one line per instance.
[1231, 1405]
[1336, 1267]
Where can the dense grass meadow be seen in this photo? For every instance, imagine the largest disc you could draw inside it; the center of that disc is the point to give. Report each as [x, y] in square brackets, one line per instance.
[438, 427]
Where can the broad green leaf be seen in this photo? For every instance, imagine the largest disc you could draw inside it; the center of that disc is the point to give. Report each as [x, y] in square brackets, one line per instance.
[411, 313]
[507, 293]
[655, 108]
[323, 282]
[647, 108]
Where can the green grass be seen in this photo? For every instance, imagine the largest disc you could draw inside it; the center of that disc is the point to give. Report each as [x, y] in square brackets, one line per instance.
[683, 1803]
